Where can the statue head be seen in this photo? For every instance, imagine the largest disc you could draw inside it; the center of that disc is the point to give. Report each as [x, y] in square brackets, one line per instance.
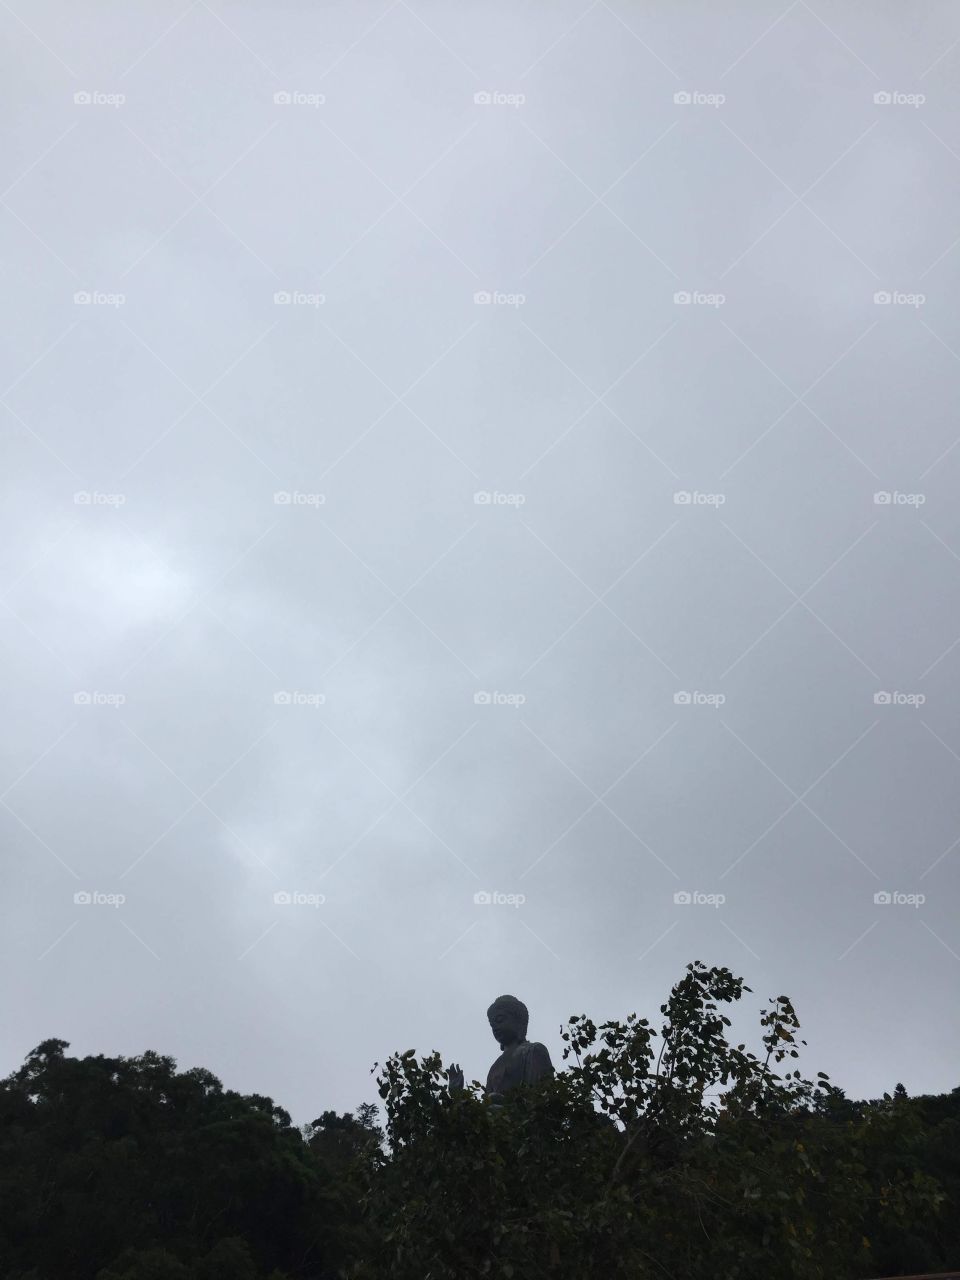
[508, 1019]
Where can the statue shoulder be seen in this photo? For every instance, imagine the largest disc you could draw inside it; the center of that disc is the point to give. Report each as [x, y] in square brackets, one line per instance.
[538, 1060]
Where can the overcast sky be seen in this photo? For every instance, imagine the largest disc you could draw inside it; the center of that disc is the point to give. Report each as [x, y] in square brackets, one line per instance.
[461, 449]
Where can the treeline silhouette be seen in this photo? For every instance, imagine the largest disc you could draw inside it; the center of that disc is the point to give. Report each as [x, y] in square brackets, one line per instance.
[667, 1153]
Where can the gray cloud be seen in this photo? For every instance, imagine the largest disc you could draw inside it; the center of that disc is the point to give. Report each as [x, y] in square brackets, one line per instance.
[677, 562]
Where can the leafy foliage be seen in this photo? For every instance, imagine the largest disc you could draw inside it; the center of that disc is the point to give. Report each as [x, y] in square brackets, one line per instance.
[124, 1169]
[662, 1151]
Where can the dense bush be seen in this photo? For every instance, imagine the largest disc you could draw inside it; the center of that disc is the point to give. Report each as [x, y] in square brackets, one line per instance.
[666, 1152]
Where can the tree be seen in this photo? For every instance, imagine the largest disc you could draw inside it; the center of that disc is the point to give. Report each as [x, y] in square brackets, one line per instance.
[656, 1153]
[125, 1169]
[662, 1151]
